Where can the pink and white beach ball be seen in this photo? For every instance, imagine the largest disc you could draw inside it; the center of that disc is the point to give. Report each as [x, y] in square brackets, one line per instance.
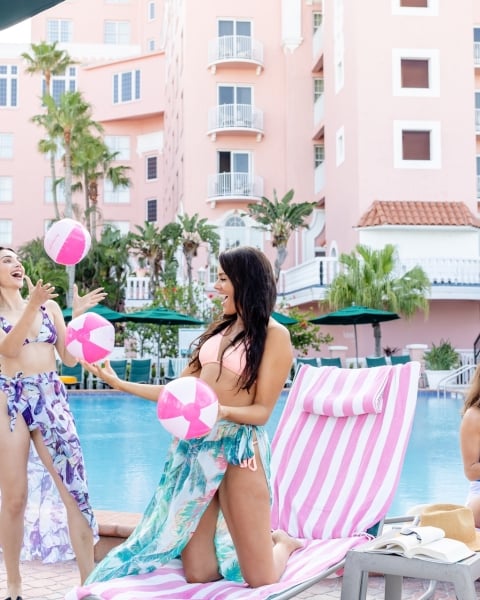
[187, 407]
[67, 242]
[90, 337]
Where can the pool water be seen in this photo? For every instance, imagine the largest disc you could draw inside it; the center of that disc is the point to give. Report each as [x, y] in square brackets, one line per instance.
[125, 448]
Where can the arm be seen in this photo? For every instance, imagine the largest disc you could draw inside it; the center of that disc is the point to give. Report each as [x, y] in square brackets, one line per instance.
[470, 443]
[107, 374]
[11, 343]
[274, 370]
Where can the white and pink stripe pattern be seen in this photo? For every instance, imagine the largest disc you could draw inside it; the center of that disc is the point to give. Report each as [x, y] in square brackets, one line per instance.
[333, 479]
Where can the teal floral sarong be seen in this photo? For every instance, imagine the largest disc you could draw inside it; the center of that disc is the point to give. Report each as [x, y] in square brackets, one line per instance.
[192, 474]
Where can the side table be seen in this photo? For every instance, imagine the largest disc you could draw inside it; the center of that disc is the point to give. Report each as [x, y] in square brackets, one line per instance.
[359, 563]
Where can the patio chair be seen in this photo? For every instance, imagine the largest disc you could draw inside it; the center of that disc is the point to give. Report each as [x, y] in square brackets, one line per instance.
[140, 370]
[337, 455]
[72, 377]
[400, 359]
[120, 368]
[376, 361]
[334, 361]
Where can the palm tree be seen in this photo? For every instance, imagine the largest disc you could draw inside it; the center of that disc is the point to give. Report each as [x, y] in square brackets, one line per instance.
[281, 219]
[92, 160]
[194, 232]
[147, 244]
[48, 61]
[369, 279]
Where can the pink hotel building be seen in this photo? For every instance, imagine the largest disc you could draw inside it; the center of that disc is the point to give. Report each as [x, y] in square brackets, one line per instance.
[373, 113]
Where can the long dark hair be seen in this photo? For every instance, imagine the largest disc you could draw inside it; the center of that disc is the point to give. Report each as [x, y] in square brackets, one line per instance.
[473, 395]
[255, 292]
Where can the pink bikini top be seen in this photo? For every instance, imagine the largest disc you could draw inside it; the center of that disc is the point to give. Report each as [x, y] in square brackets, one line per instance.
[233, 358]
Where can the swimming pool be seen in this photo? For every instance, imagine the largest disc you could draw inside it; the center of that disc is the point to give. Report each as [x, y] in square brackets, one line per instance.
[125, 447]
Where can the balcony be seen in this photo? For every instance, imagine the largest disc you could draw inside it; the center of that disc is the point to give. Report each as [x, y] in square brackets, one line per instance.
[243, 187]
[235, 50]
[235, 118]
[476, 54]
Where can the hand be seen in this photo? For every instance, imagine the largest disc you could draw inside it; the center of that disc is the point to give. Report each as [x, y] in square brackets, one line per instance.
[81, 304]
[106, 373]
[39, 293]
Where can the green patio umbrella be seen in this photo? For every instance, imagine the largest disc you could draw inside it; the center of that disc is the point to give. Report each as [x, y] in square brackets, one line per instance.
[162, 316]
[355, 315]
[284, 319]
[111, 315]
[14, 12]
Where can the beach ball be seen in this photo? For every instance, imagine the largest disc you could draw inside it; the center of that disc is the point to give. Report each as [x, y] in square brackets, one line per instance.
[67, 242]
[187, 407]
[90, 337]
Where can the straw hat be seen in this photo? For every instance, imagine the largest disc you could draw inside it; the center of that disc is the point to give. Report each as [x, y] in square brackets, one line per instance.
[457, 522]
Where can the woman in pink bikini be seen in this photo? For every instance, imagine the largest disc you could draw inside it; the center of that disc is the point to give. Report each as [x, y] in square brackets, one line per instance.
[33, 406]
[212, 505]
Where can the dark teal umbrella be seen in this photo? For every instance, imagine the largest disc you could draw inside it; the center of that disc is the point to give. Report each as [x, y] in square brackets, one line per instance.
[162, 316]
[111, 315]
[14, 12]
[355, 315]
[284, 319]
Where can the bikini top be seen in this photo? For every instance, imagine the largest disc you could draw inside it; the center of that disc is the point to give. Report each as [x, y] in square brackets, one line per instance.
[234, 358]
[47, 333]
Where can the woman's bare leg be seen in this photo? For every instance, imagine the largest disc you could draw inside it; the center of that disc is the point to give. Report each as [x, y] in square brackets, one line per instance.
[81, 535]
[14, 449]
[245, 503]
[198, 557]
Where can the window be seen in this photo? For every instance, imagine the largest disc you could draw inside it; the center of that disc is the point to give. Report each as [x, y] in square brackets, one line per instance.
[119, 144]
[126, 86]
[62, 83]
[48, 193]
[417, 144]
[235, 39]
[414, 3]
[151, 168]
[414, 73]
[477, 160]
[59, 30]
[151, 45]
[6, 145]
[152, 210]
[116, 32]
[415, 7]
[235, 106]
[120, 195]
[8, 85]
[122, 226]
[319, 154]
[5, 232]
[317, 21]
[151, 11]
[240, 231]
[318, 88]
[234, 174]
[6, 189]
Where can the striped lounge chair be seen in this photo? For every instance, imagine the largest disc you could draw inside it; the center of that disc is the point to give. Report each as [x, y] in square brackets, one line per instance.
[337, 457]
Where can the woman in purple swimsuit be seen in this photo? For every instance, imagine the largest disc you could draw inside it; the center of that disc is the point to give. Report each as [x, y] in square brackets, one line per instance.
[33, 406]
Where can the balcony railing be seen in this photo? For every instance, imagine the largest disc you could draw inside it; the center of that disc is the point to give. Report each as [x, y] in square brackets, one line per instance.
[235, 49]
[235, 117]
[477, 120]
[450, 278]
[476, 54]
[234, 186]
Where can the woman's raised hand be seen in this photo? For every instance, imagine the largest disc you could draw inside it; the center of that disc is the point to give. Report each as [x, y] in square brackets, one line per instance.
[81, 304]
[39, 293]
[106, 373]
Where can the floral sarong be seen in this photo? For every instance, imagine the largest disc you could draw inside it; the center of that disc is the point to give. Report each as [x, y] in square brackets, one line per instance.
[192, 474]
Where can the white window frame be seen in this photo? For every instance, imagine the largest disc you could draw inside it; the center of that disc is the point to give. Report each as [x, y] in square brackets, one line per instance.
[434, 128]
[318, 155]
[151, 11]
[117, 32]
[121, 195]
[119, 144]
[415, 11]
[11, 79]
[64, 33]
[69, 80]
[118, 85]
[147, 159]
[146, 209]
[433, 57]
[48, 194]
[6, 189]
[6, 229]
[6, 145]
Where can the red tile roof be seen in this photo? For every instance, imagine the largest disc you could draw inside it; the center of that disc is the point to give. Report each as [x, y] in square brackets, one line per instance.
[418, 213]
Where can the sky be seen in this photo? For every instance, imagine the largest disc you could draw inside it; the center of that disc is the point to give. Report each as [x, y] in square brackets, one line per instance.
[19, 33]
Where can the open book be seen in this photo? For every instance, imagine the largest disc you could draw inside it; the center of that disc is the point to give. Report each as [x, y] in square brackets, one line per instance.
[420, 542]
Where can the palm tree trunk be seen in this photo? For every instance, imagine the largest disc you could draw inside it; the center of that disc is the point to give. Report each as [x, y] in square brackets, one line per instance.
[377, 334]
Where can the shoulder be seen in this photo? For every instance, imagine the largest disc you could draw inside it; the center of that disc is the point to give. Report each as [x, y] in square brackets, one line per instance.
[471, 420]
[53, 308]
[277, 331]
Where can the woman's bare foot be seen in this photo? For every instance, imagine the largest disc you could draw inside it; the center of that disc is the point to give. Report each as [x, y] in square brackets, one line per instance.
[14, 590]
[281, 537]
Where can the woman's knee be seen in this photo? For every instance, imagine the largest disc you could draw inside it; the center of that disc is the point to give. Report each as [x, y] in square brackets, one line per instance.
[14, 503]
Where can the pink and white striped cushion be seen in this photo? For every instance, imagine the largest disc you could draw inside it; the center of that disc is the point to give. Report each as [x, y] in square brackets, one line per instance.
[333, 478]
[346, 392]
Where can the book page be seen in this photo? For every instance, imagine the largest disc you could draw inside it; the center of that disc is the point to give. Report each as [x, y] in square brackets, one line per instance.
[444, 550]
[396, 542]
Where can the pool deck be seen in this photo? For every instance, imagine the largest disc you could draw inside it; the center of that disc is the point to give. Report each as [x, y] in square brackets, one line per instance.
[52, 582]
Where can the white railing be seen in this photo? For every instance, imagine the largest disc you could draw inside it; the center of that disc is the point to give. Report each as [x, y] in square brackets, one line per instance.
[446, 271]
[317, 41]
[235, 116]
[234, 48]
[235, 185]
[477, 120]
[319, 109]
[319, 178]
[476, 54]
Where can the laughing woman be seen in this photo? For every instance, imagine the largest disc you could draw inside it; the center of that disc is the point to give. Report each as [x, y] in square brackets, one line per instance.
[212, 505]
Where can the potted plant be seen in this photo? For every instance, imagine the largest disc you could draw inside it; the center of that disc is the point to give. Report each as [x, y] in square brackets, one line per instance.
[440, 361]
